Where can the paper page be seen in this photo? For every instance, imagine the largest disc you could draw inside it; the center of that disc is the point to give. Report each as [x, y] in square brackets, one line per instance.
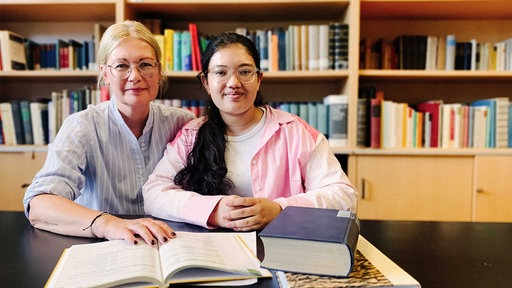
[220, 251]
[106, 262]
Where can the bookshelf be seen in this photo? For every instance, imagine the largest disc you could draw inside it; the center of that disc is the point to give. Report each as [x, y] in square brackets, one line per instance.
[434, 183]
[485, 20]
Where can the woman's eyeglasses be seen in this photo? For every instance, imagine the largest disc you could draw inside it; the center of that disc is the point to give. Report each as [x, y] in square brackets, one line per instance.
[123, 70]
[222, 75]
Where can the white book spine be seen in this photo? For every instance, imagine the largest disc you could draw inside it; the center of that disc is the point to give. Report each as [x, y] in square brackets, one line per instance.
[450, 52]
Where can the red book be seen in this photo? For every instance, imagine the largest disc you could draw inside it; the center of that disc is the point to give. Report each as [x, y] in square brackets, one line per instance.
[196, 52]
[375, 112]
[433, 107]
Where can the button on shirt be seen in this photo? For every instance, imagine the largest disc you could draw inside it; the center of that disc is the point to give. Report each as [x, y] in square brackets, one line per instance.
[96, 161]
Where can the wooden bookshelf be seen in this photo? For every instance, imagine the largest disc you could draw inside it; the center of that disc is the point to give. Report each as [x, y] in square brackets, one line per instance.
[440, 173]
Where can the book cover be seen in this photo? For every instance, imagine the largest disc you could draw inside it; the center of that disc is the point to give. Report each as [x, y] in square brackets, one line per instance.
[434, 109]
[7, 123]
[18, 122]
[189, 258]
[168, 52]
[313, 47]
[295, 242]
[338, 119]
[375, 119]
[186, 51]
[26, 121]
[39, 118]
[177, 51]
[449, 55]
[12, 47]
[372, 268]
[323, 49]
[491, 132]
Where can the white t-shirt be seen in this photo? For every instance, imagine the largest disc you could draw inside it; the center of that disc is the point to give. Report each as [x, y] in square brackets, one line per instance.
[239, 152]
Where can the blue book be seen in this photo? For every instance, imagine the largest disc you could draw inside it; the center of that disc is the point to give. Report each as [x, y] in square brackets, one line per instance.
[186, 51]
[303, 111]
[285, 106]
[312, 115]
[322, 121]
[262, 41]
[26, 121]
[177, 51]
[491, 137]
[294, 108]
[299, 232]
[281, 46]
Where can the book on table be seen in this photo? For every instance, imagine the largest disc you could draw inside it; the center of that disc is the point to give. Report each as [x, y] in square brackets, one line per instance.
[372, 268]
[311, 240]
[189, 258]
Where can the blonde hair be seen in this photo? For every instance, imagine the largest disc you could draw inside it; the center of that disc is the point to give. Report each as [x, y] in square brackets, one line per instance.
[121, 31]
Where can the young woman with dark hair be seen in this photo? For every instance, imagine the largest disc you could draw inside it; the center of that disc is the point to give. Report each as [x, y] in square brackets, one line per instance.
[243, 162]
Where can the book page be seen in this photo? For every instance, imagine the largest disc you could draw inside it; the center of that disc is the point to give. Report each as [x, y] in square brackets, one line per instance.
[213, 252]
[106, 264]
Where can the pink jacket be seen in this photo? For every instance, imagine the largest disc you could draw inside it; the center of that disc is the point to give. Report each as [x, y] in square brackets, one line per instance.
[293, 165]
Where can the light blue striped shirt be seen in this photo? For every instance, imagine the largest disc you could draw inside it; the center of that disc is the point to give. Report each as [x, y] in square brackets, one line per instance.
[96, 160]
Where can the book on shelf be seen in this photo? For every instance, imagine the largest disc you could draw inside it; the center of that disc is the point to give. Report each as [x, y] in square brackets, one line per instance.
[450, 54]
[432, 109]
[168, 51]
[338, 119]
[491, 132]
[7, 123]
[375, 118]
[26, 122]
[12, 51]
[39, 118]
[295, 242]
[18, 122]
[372, 268]
[189, 258]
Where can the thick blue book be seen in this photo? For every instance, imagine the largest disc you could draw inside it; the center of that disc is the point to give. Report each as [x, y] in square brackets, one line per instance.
[311, 241]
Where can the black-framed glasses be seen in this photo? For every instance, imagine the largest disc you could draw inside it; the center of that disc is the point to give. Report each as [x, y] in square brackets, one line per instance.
[122, 70]
[222, 75]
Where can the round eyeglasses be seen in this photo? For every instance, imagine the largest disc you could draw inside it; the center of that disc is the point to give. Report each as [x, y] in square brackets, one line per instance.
[222, 75]
[123, 70]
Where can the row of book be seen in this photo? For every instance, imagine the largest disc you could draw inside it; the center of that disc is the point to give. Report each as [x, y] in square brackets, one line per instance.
[329, 117]
[22, 53]
[37, 122]
[382, 123]
[306, 47]
[430, 52]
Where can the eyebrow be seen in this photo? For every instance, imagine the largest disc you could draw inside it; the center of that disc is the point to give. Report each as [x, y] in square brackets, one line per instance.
[239, 66]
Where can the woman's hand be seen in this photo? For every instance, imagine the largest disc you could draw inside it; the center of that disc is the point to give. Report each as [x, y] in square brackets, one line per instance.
[151, 231]
[247, 214]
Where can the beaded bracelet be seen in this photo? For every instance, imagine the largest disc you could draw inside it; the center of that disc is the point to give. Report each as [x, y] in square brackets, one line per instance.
[92, 222]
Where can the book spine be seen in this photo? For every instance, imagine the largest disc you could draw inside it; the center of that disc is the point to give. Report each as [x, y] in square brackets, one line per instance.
[338, 117]
[450, 52]
[26, 122]
[18, 123]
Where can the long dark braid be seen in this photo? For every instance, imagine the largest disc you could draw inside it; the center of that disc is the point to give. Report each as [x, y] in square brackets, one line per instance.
[206, 169]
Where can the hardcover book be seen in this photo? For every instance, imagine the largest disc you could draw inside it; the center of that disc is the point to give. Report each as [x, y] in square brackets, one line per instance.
[296, 242]
[338, 119]
[12, 51]
[189, 258]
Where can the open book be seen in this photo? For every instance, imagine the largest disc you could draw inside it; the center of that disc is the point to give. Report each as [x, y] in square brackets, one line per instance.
[189, 258]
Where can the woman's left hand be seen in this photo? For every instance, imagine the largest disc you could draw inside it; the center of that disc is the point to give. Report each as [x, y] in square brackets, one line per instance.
[251, 213]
